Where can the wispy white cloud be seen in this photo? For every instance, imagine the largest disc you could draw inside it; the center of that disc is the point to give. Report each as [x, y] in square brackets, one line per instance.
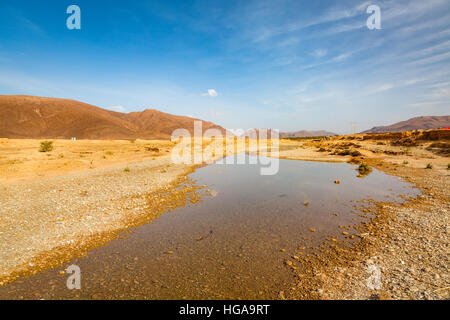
[25, 23]
[211, 93]
[319, 53]
[427, 104]
[117, 108]
[431, 59]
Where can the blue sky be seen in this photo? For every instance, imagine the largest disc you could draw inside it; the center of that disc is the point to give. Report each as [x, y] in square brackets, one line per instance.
[289, 65]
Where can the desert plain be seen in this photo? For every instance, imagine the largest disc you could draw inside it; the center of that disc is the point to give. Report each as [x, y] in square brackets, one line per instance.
[82, 194]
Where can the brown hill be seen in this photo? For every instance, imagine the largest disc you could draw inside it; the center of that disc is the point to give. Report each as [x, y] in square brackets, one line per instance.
[38, 117]
[418, 123]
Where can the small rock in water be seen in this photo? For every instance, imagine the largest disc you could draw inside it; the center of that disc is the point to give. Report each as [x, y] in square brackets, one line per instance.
[306, 203]
[337, 181]
[283, 250]
[169, 252]
[312, 230]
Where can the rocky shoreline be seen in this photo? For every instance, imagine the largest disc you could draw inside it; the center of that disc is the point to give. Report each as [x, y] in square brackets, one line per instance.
[407, 244]
[48, 221]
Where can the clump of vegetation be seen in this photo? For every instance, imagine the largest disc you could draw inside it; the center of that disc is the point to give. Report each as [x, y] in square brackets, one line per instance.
[14, 161]
[448, 166]
[342, 152]
[405, 162]
[126, 169]
[152, 149]
[61, 156]
[109, 153]
[429, 166]
[364, 169]
[82, 155]
[46, 146]
[355, 153]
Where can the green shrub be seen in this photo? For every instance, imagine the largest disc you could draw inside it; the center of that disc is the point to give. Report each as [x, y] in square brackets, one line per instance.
[405, 162]
[46, 146]
[429, 166]
[126, 169]
[364, 168]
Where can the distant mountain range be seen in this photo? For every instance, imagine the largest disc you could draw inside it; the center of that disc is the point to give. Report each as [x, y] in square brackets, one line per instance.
[306, 133]
[418, 123]
[38, 117]
[253, 133]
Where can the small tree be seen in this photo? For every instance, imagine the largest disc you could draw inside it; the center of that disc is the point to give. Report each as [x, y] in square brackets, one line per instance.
[46, 146]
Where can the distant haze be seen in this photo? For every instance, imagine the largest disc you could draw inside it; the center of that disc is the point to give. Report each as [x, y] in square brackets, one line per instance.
[306, 133]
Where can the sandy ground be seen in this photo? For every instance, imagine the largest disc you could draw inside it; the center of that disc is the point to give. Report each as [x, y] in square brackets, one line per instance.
[20, 159]
[57, 205]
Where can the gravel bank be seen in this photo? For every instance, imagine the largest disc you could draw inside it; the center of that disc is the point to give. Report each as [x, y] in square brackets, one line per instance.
[408, 244]
[47, 221]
